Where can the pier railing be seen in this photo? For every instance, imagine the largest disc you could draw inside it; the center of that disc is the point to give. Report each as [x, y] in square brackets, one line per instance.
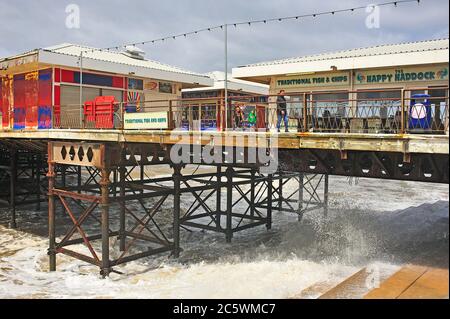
[362, 111]
[394, 111]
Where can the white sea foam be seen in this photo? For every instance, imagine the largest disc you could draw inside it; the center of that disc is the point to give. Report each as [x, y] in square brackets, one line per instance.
[386, 223]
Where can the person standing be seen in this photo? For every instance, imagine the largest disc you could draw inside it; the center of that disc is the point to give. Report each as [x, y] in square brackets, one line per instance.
[282, 111]
[252, 119]
[238, 117]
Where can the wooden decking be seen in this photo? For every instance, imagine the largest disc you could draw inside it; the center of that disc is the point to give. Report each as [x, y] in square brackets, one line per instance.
[409, 282]
[409, 143]
[349, 288]
[414, 282]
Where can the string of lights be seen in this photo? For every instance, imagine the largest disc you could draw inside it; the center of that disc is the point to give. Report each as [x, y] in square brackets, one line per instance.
[253, 22]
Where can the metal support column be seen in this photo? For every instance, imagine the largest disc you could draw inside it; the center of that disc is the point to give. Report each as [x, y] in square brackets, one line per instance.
[280, 193]
[269, 201]
[301, 180]
[51, 216]
[122, 236]
[176, 209]
[219, 198]
[325, 195]
[114, 189]
[252, 192]
[142, 173]
[38, 181]
[13, 187]
[63, 175]
[104, 184]
[229, 229]
[79, 179]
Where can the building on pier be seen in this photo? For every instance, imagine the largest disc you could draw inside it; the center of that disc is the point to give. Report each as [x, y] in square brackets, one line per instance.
[207, 106]
[364, 86]
[44, 84]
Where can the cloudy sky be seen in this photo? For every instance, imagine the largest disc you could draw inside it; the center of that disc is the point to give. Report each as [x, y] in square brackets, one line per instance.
[29, 24]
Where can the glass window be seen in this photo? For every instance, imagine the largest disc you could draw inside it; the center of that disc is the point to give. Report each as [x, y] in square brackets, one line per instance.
[116, 93]
[439, 107]
[334, 104]
[165, 87]
[295, 106]
[135, 84]
[70, 95]
[379, 104]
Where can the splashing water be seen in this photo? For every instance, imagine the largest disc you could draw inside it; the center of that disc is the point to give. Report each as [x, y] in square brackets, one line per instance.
[374, 222]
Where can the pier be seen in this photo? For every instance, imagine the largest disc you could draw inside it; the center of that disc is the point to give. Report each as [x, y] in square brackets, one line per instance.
[87, 171]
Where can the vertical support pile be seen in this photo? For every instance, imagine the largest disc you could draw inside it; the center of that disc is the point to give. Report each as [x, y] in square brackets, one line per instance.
[13, 186]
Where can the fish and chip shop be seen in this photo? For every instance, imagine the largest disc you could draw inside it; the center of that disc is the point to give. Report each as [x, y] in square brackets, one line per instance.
[360, 89]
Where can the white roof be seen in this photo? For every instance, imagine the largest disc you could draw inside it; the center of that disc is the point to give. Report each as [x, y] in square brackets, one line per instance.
[67, 54]
[233, 84]
[402, 54]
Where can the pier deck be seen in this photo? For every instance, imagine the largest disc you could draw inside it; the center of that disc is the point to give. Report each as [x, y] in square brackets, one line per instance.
[403, 143]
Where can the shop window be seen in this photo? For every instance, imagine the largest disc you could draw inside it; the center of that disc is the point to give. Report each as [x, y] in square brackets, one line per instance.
[295, 106]
[199, 95]
[70, 95]
[439, 105]
[135, 84]
[165, 87]
[118, 95]
[94, 79]
[330, 104]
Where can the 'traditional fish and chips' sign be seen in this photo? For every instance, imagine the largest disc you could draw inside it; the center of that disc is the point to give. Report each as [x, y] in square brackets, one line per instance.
[146, 121]
[341, 78]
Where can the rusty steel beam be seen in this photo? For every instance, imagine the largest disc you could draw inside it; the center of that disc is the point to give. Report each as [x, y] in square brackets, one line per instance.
[431, 168]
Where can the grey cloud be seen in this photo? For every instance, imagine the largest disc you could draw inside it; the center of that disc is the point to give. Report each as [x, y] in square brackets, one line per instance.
[31, 24]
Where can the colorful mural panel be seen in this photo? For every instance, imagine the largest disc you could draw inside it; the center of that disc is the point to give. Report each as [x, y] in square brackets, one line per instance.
[7, 97]
[19, 101]
[45, 99]
[31, 99]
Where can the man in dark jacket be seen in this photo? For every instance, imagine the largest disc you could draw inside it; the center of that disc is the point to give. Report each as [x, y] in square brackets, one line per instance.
[282, 111]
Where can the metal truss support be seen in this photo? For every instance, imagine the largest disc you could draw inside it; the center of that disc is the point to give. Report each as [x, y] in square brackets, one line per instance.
[420, 167]
[110, 183]
[94, 192]
[21, 180]
[301, 197]
[310, 186]
[243, 189]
